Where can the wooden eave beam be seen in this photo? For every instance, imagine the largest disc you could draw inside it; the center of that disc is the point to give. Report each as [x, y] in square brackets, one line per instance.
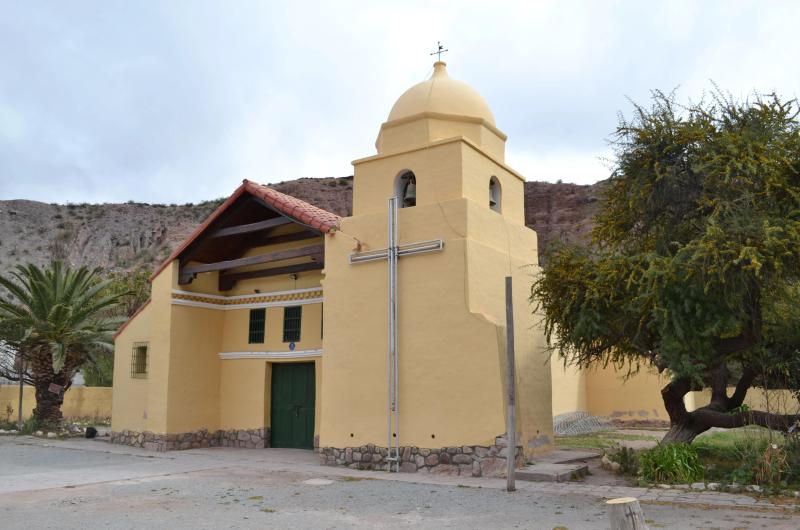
[267, 240]
[227, 281]
[250, 227]
[311, 250]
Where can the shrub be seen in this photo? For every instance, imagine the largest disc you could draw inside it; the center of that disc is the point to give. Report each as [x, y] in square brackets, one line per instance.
[671, 463]
[626, 457]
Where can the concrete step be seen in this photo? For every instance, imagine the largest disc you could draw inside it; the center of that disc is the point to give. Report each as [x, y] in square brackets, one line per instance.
[558, 465]
[545, 472]
[567, 456]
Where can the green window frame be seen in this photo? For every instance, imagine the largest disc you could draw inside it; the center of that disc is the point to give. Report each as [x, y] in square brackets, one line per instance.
[292, 317]
[139, 360]
[257, 326]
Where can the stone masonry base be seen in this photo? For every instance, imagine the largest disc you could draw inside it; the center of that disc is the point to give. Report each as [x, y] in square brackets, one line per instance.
[247, 438]
[466, 460]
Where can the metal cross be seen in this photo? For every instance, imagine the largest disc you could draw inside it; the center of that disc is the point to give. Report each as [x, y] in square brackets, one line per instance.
[391, 254]
[440, 50]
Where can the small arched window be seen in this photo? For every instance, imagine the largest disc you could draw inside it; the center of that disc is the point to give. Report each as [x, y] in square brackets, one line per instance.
[406, 189]
[495, 195]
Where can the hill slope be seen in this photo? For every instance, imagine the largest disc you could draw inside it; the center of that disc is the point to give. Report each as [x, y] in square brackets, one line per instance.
[132, 235]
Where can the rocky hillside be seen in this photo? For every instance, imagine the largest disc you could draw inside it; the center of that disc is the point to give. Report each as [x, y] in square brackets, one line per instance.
[132, 235]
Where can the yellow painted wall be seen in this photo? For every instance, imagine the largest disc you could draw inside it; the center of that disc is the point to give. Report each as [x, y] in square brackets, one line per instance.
[130, 395]
[445, 170]
[637, 398]
[776, 401]
[79, 402]
[188, 387]
[607, 392]
[245, 392]
[569, 388]
[193, 385]
[236, 330]
[452, 314]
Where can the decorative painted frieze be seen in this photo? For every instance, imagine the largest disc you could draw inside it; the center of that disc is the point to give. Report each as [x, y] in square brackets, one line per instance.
[311, 295]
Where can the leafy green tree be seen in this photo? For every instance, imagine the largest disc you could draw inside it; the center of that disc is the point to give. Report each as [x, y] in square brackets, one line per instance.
[133, 289]
[56, 318]
[694, 264]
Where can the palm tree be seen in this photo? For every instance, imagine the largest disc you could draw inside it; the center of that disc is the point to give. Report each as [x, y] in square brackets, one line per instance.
[57, 318]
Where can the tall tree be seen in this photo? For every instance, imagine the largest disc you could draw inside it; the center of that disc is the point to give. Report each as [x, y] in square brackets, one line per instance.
[133, 287]
[694, 264]
[55, 318]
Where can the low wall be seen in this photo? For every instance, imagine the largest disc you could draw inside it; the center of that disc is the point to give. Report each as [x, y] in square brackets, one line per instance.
[605, 392]
[776, 401]
[79, 402]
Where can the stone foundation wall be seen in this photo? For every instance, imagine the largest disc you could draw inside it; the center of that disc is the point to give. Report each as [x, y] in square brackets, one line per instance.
[247, 438]
[466, 460]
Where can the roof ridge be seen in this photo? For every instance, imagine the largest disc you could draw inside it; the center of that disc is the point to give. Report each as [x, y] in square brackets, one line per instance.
[298, 210]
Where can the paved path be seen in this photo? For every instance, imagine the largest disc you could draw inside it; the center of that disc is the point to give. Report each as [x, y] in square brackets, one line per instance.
[42, 482]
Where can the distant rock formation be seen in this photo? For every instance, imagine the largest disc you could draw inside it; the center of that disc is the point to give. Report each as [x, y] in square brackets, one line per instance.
[132, 235]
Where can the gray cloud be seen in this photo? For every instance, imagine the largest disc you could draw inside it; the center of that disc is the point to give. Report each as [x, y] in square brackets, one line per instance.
[178, 101]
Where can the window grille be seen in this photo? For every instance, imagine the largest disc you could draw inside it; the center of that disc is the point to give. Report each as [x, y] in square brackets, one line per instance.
[139, 360]
[291, 323]
[258, 319]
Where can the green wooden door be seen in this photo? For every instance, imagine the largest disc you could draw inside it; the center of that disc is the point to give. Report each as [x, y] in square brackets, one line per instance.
[293, 389]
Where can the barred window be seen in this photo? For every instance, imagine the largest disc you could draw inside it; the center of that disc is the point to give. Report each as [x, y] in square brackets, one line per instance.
[258, 319]
[291, 323]
[139, 360]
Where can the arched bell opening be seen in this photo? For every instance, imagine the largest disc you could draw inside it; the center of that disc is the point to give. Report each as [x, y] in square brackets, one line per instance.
[406, 189]
[495, 195]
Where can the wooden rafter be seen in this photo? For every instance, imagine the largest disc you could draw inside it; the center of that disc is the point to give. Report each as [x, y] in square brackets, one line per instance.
[250, 227]
[191, 251]
[263, 240]
[258, 259]
[227, 281]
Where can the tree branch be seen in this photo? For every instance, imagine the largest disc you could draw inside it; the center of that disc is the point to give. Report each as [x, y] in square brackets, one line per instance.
[672, 394]
[719, 387]
[729, 346]
[712, 418]
[744, 384]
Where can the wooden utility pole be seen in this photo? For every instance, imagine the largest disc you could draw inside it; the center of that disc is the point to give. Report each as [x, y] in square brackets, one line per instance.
[511, 427]
[19, 408]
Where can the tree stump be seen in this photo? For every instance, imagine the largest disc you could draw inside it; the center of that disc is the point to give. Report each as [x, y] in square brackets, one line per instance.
[625, 514]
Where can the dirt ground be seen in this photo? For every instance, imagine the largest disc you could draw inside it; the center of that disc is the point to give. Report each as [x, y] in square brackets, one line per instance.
[86, 484]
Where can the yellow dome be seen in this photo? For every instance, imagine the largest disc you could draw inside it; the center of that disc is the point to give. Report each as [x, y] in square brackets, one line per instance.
[443, 95]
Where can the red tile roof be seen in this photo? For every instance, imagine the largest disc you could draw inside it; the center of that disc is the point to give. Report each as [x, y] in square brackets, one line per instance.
[300, 211]
[293, 208]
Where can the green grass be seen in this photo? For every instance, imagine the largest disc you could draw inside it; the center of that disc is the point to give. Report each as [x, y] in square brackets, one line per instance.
[600, 440]
[734, 455]
[726, 440]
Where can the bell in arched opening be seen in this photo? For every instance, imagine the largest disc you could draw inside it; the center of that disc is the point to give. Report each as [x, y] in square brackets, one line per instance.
[495, 194]
[407, 189]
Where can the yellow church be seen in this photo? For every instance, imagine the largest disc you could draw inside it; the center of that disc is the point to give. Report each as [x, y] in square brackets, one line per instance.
[378, 339]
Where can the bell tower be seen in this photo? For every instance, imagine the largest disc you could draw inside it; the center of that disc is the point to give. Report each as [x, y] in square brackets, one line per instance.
[441, 154]
[446, 127]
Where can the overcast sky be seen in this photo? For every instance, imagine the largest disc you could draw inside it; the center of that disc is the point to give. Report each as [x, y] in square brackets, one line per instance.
[170, 101]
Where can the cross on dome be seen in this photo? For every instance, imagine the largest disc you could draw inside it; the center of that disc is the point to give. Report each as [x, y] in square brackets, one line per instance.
[439, 51]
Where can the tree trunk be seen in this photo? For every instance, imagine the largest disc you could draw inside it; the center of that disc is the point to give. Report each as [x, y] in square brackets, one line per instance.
[681, 433]
[722, 412]
[626, 514]
[48, 405]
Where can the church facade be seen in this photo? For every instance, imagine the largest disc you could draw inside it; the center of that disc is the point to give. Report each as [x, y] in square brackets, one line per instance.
[377, 339]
